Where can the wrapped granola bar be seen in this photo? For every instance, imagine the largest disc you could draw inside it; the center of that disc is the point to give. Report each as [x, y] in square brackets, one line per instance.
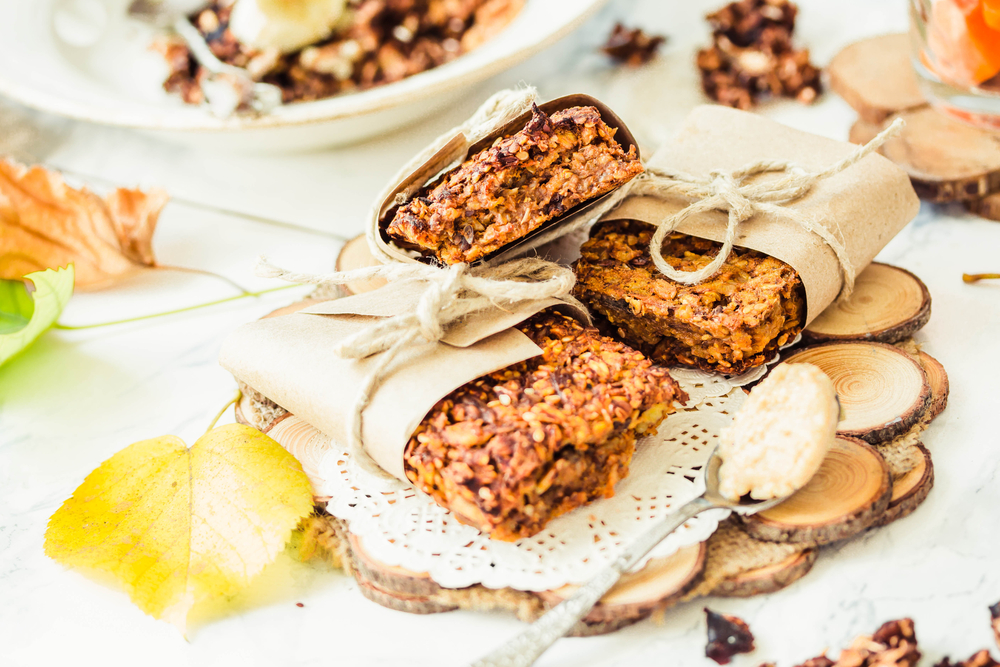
[516, 416]
[781, 273]
[509, 191]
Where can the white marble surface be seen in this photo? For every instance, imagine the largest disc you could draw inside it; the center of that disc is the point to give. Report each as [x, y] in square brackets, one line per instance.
[78, 397]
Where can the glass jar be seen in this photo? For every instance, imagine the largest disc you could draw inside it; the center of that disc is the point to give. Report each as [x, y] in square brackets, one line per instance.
[957, 57]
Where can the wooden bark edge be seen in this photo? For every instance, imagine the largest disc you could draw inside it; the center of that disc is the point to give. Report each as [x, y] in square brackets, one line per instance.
[988, 207]
[937, 378]
[768, 579]
[912, 499]
[970, 185]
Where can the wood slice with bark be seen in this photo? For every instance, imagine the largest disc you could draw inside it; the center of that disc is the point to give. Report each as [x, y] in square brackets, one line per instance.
[987, 207]
[945, 159]
[910, 490]
[848, 494]
[356, 255]
[883, 391]
[661, 583]
[767, 579]
[888, 305]
[636, 596]
[393, 586]
[937, 378]
[875, 76]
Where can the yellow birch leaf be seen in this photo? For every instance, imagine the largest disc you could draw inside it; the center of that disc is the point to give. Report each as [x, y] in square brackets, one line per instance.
[177, 526]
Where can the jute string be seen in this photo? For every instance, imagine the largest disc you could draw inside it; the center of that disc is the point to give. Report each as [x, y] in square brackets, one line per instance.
[741, 196]
[450, 295]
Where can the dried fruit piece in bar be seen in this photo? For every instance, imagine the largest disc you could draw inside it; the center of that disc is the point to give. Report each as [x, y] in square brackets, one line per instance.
[522, 181]
[512, 450]
[729, 323]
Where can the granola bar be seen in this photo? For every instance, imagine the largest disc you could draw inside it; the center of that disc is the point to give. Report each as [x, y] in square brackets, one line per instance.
[512, 450]
[732, 322]
[513, 187]
[383, 41]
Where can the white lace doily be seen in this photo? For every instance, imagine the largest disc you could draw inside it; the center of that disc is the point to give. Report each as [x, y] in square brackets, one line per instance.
[401, 526]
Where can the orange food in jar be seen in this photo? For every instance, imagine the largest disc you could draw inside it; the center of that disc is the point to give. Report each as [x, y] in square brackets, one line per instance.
[991, 13]
[966, 49]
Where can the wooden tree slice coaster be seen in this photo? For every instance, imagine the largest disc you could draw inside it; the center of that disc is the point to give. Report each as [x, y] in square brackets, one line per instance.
[767, 579]
[862, 132]
[888, 304]
[661, 583]
[945, 159]
[910, 490]
[883, 390]
[875, 76]
[636, 596]
[987, 207]
[848, 494]
[937, 378]
[356, 255]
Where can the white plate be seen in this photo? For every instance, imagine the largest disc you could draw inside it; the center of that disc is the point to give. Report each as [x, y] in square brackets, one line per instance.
[117, 81]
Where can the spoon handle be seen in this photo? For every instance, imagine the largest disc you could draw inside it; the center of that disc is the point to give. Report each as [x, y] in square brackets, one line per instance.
[524, 649]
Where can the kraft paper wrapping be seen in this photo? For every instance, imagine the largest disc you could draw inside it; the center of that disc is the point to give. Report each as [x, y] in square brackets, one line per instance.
[290, 359]
[458, 150]
[865, 205]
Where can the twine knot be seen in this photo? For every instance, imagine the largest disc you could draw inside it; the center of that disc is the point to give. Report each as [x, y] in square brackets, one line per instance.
[448, 295]
[724, 186]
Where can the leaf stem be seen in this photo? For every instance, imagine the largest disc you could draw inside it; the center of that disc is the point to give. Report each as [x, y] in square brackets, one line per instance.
[68, 327]
[234, 399]
[976, 277]
[202, 272]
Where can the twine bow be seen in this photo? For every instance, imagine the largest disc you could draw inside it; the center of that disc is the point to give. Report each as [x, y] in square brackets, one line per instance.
[741, 196]
[449, 295]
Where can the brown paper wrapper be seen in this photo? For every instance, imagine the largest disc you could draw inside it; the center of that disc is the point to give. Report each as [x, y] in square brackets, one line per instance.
[290, 359]
[458, 150]
[865, 205]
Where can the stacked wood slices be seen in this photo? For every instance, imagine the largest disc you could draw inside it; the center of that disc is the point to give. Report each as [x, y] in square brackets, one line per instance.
[878, 472]
[947, 160]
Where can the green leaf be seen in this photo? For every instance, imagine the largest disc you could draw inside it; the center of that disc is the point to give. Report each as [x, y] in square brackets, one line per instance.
[25, 315]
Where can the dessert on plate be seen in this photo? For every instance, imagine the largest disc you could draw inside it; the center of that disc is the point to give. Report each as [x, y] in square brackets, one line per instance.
[312, 49]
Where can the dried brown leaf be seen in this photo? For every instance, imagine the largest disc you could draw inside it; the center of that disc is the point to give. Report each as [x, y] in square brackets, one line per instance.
[45, 223]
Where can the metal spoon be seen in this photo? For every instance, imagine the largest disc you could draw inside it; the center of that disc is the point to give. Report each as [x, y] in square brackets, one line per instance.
[524, 649]
[227, 86]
